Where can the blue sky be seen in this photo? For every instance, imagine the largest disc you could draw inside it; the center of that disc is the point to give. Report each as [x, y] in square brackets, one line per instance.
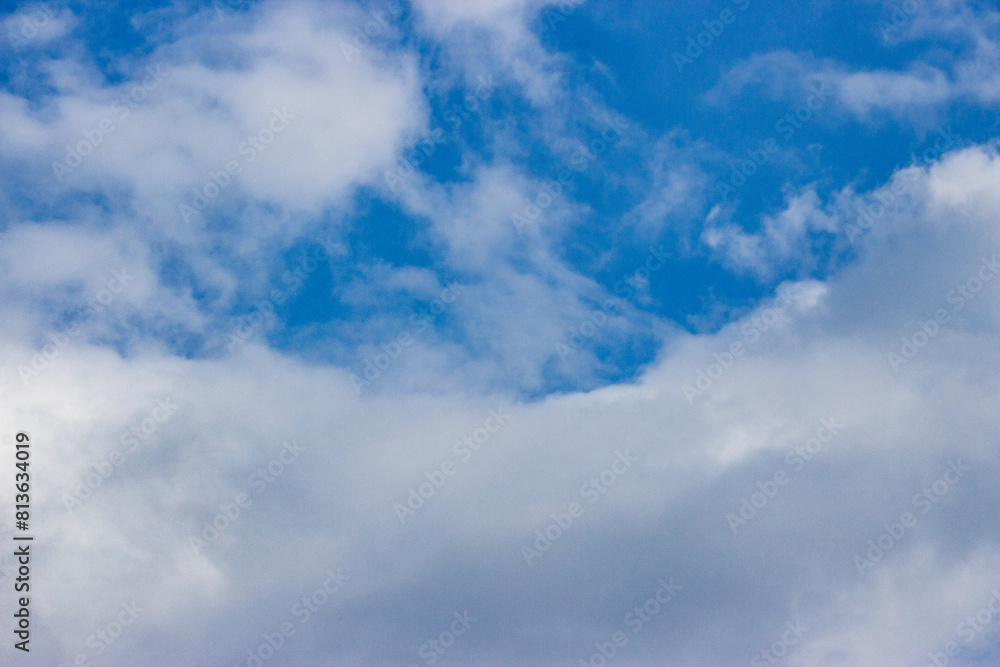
[441, 272]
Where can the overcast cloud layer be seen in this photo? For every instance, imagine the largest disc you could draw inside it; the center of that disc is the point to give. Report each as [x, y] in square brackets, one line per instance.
[503, 332]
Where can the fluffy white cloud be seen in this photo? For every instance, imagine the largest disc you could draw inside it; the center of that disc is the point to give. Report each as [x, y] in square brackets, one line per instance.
[782, 237]
[36, 25]
[665, 515]
[275, 95]
[433, 490]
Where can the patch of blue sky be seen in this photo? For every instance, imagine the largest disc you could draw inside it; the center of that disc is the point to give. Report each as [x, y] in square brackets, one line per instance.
[641, 78]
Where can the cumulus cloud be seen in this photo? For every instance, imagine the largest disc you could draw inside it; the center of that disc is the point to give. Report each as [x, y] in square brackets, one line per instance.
[456, 447]
[823, 360]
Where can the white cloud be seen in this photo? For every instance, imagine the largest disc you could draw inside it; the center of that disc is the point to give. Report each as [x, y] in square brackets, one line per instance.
[783, 237]
[192, 105]
[35, 25]
[915, 93]
[827, 358]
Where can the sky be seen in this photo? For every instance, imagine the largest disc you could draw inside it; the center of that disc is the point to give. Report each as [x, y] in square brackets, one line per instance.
[506, 332]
